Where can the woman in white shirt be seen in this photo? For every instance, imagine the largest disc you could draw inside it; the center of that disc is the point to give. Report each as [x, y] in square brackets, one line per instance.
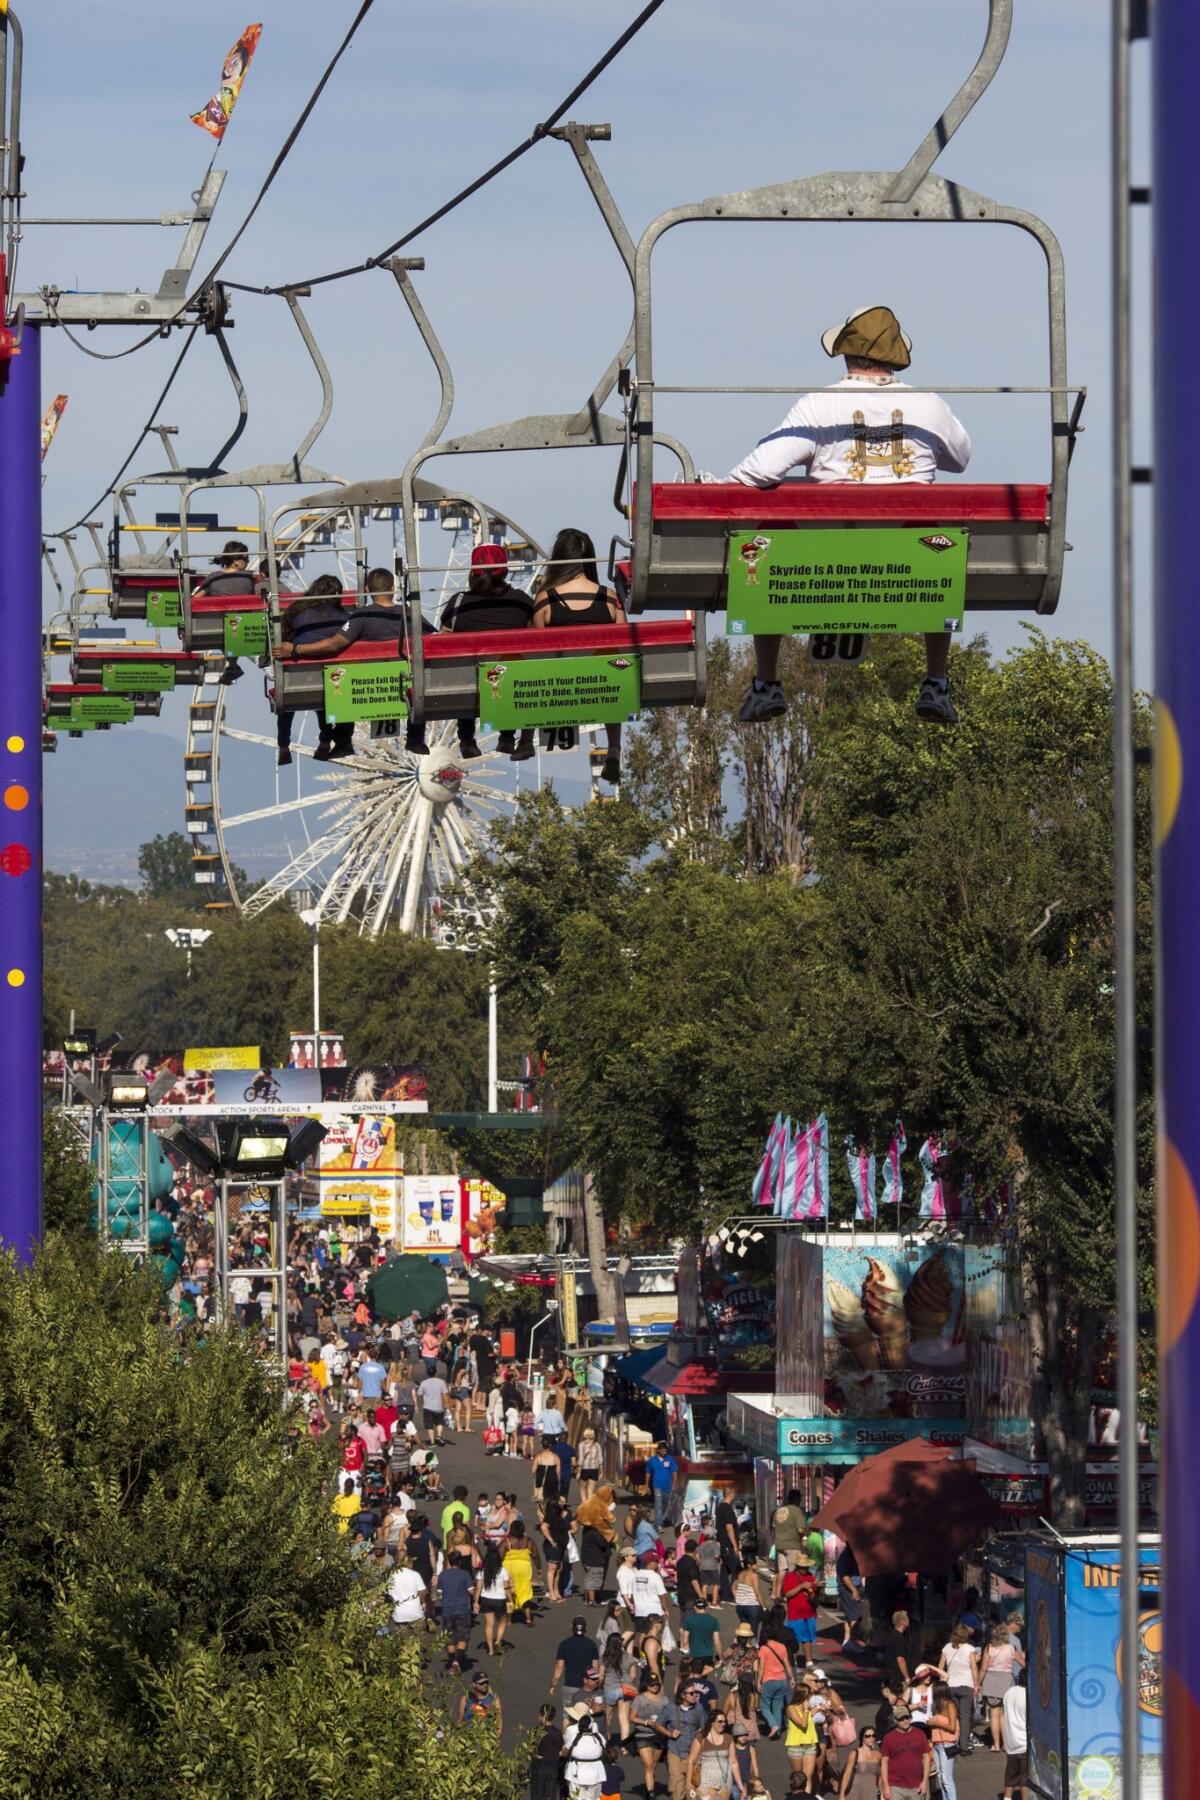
[584, 1745]
[493, 1598]
[960, 1672]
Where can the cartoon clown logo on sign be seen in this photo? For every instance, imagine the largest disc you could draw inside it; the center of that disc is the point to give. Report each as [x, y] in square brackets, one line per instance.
[750, 551]
[335, 679]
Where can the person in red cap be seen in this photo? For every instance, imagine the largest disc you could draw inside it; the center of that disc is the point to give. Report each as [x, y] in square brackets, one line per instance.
[489, 603]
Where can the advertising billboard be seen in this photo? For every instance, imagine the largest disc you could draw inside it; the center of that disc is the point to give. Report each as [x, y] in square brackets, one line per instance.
[849, 1440]
[999, 1371]
[431, 1222]
[222, 1056]
[1077, 1671]
[360, 1146]
[895, 1332]
[284, 1088]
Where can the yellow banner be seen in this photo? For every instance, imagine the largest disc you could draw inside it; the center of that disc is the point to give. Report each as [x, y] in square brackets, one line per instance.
[343, 1206]
[227, 1056]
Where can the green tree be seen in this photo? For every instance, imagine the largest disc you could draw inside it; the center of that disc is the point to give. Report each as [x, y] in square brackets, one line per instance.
[177, 1610]
[165, 866]
[68, 1197]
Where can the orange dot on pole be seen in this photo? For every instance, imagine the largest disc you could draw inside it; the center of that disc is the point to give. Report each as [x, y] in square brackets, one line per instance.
[16, 743]
[1178, 1246]
[16, 797]
[16, 978]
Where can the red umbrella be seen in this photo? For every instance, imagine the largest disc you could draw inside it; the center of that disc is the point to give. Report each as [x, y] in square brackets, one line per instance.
[915, 1506]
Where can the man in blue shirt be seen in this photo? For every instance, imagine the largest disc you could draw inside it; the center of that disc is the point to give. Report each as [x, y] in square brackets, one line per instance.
[661, 1470]
[371, 1377]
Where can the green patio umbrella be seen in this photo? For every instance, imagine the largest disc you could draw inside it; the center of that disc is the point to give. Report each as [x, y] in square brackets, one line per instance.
[406, 1284]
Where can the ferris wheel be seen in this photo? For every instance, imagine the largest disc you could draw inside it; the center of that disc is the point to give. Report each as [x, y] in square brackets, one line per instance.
[380, 839]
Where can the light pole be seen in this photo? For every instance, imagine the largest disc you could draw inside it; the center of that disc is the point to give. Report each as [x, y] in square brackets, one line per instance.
[312, 918]
[533, 1331]
[493, 1046]
[189, 938]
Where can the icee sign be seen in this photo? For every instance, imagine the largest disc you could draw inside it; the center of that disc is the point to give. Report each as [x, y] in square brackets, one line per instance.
[883, 579]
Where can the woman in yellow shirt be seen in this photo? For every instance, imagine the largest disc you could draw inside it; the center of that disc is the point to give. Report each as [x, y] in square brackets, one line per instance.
[800, 1738]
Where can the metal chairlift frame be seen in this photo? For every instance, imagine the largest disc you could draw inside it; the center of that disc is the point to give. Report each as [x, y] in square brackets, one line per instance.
[293, 473]
[588, 428]
[891, 197]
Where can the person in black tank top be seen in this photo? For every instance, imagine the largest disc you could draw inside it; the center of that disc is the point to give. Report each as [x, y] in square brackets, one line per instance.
[576, 596]
[488, 603]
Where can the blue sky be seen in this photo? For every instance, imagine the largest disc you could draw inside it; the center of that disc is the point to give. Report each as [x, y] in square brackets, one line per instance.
[522, 283]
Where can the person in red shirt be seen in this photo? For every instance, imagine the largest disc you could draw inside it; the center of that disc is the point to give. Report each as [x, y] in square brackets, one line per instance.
[904, 1769]
[798, 1588]
[354, 1454]
[386, 1415]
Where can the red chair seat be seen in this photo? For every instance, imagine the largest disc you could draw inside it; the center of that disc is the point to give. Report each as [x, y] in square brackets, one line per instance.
[581, 639]
[151, 583]
[180, 659]
[227, 603]
[815, 502]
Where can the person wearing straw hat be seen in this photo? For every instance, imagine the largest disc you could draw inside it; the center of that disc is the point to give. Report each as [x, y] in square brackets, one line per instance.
[860, 430]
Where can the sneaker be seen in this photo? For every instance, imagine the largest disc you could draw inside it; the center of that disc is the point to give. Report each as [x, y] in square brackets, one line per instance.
[230, 673]
[341, 750]
[764, 701]
[611, 772]
[524, 750]
[468, 748]
[506, 743]
[282, 759]
[934, 702]
[414, 742]
[323, 752]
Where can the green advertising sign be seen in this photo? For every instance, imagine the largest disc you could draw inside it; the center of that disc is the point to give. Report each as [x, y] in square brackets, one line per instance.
[883, 579]
[137, 678]
[245, 634]
[100, 709]
[559, 690]
[164, 607]
[368, 690]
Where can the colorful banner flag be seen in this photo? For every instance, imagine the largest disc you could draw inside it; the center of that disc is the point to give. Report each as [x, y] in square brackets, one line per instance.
[933, 1187]
[893, 1178]
[215, 116]
[54, 413]
[861, 1163]
[806, 1173]
[763, 1190]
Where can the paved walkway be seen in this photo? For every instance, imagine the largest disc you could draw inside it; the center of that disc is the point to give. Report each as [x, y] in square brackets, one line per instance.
[522, 1676]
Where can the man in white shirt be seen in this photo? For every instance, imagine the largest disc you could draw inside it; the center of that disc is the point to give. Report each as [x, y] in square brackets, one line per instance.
[550, 1423]
[1016, 1741]
[869, 428]
[407, 1593]
[649, 1595]
[626, 1570]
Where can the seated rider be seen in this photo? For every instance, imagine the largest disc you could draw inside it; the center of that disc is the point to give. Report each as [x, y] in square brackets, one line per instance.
[309, 617]
[855, 431]
[570, 592]
[380, 621]
[488, 603]
[235, 578]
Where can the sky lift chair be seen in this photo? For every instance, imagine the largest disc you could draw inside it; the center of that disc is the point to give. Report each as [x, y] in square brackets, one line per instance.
[681, 532]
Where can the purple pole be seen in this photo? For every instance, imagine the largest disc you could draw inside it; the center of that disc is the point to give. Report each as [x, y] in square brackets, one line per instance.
[21, 798]
[1176, 191]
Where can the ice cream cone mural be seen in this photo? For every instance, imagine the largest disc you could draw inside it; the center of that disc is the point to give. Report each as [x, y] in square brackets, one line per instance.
[850, 1325]
[929, 1299]
[883, 1309]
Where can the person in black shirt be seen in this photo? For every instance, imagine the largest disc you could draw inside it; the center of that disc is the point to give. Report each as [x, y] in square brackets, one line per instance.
[488, 603]
[688, 1586]
[235, 579]
[545, 1775]
[309, 617]
[902, 1652]
[381, 621]
[731, 1549]
[575, 1656]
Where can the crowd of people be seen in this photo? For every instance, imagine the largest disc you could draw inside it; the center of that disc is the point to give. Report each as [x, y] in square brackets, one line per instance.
[690, 1644]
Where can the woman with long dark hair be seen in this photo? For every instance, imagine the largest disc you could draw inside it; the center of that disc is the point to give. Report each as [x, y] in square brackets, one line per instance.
[493, 1596]
[570, 592]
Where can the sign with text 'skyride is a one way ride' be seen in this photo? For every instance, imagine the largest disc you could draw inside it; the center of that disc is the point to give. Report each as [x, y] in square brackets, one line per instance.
[559, 690]
[245, 634]
[883, 579]
[369, 690]
[163, 606]
[100, 709]
[137, 678]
